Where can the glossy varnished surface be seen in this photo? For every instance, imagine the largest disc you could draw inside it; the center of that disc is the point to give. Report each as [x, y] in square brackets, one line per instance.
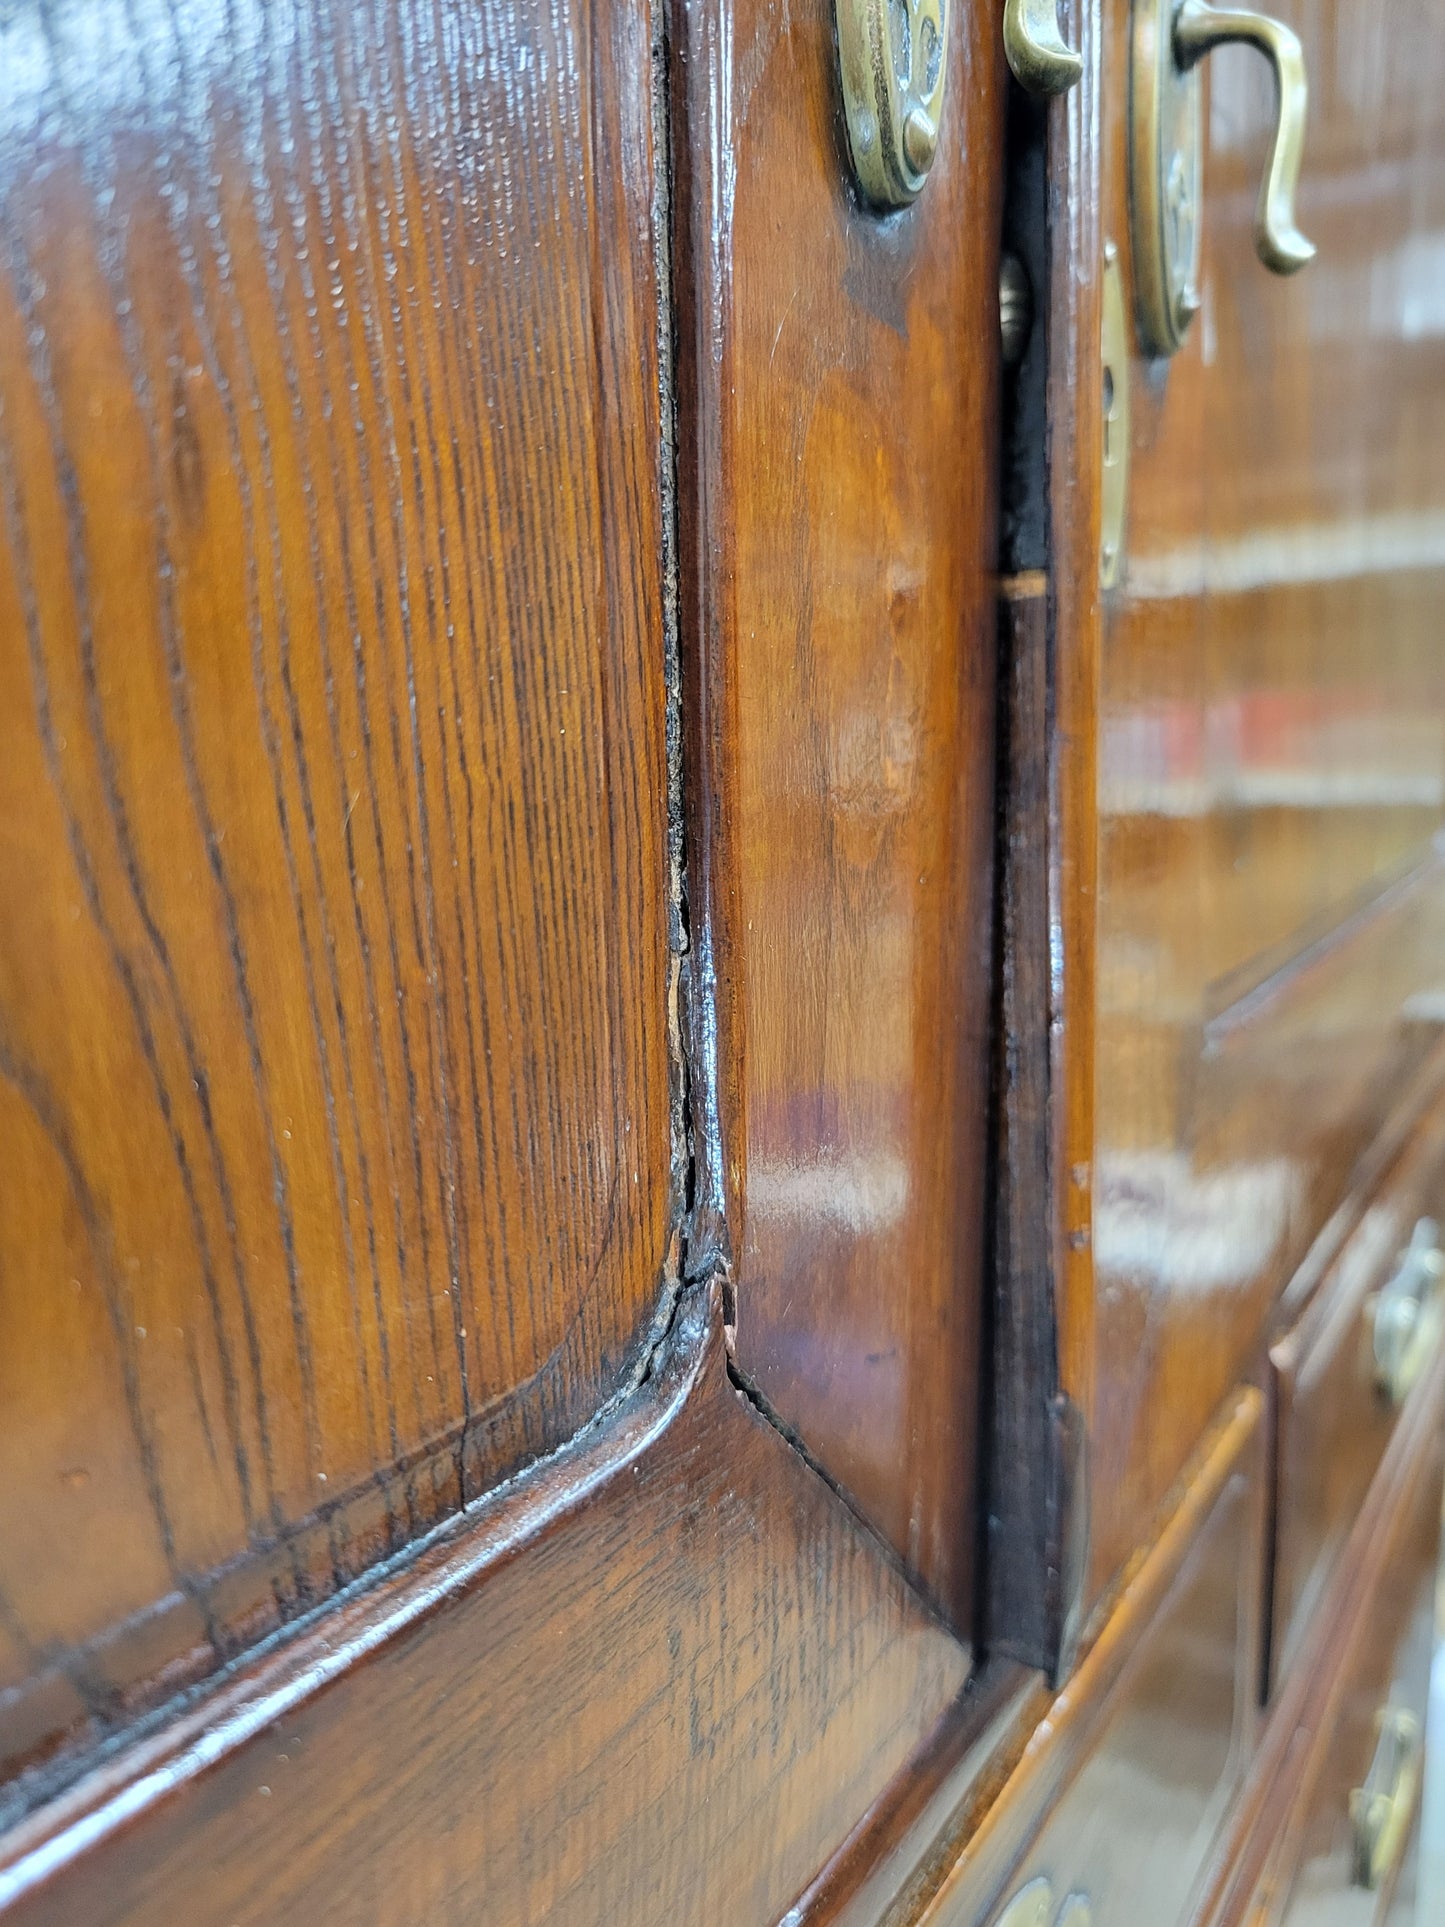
[1389, 1670]
[1332, 1421]
[1269, 716]
[657, 1683]
[1132, 1768]
[1350, 1637]
[334, 1084]
[841, 368]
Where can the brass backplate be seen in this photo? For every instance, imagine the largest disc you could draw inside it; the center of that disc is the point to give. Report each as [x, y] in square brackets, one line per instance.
[894, 59]
[1030, 1906]
[1166, 163]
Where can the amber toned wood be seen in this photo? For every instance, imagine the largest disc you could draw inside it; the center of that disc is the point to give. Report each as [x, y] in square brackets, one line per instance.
[1249, 755]
[1259, 1847]
[1331, 1422]
[1119, 1790]
[333, 883]
[841, 369]
[657, 1682]
[893, 1856]
[1389, 1671]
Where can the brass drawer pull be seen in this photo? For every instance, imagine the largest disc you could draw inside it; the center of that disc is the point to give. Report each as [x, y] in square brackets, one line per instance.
[1381, 1810]
[1032, 1906]
[1409, 1314]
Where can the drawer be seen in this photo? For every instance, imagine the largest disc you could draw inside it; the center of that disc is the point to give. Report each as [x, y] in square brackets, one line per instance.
[1119, 1797]
[1340, 1378]
[1356, 1828]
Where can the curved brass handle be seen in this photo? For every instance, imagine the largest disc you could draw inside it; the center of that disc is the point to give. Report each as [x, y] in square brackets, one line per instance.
[1381, 1810]
[1042, 60]
[1409, 1314]
[1198, 29]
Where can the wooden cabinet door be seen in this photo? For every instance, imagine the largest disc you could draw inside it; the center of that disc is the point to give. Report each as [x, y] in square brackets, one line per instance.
[1267, 910]
[495, 851]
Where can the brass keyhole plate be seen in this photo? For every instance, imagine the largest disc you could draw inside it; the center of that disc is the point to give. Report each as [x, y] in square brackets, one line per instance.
[1114, 408]
[1166, 166]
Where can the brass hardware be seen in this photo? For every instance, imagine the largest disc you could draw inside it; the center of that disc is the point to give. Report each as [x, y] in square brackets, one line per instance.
[1042, 60]
[1170, 39]
[1381, 1810]
[1015, 309]
[1030, 1906]
[1114, 405]
[893, 55]
[1409, 1314]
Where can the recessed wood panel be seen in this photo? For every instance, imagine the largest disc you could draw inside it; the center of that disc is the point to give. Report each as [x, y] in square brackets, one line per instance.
[657, 1681]
[334, 1085]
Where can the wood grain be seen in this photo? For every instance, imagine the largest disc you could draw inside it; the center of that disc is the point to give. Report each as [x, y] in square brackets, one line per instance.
[656, 1681]
[334, 1083]
[838, 544]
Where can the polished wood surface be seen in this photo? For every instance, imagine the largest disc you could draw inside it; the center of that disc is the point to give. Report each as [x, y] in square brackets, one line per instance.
[608, 1058]
[1132, 1768]
[1391, 1671]
[1331, 1421]
[657, 1681]
[334, 951]
[838, 540]
[1257, 717]
[1376, 1574]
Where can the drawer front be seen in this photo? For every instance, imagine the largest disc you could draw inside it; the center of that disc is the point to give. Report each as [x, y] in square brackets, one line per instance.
[1341, 1376]
[1357, 1832]
[1154, 1756]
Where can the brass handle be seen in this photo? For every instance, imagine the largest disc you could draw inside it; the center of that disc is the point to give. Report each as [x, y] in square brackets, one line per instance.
[1166, 155]
[1409, 1314]
[1198, 29]
[1042, 60]
[1381, 1810]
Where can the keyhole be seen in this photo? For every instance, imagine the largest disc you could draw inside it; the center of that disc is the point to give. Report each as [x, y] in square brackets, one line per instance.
[1110, 454]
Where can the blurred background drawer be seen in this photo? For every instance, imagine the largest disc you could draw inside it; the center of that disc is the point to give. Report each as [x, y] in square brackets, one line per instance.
[1146, 1744]
[1355, 1827]
[1343, 1373]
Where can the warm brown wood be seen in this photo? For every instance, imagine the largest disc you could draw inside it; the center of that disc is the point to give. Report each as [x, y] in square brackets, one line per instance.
[842, 371]
[1390, 1669]
[655, 1682]
[1330, 1421]
[1249, 738]
[1258, 1847]
[1134, 1764]
[333, 882]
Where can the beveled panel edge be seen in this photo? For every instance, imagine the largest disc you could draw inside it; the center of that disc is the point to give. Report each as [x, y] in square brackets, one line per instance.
[980, 1861]
[188, 1734]
[890, 1853]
